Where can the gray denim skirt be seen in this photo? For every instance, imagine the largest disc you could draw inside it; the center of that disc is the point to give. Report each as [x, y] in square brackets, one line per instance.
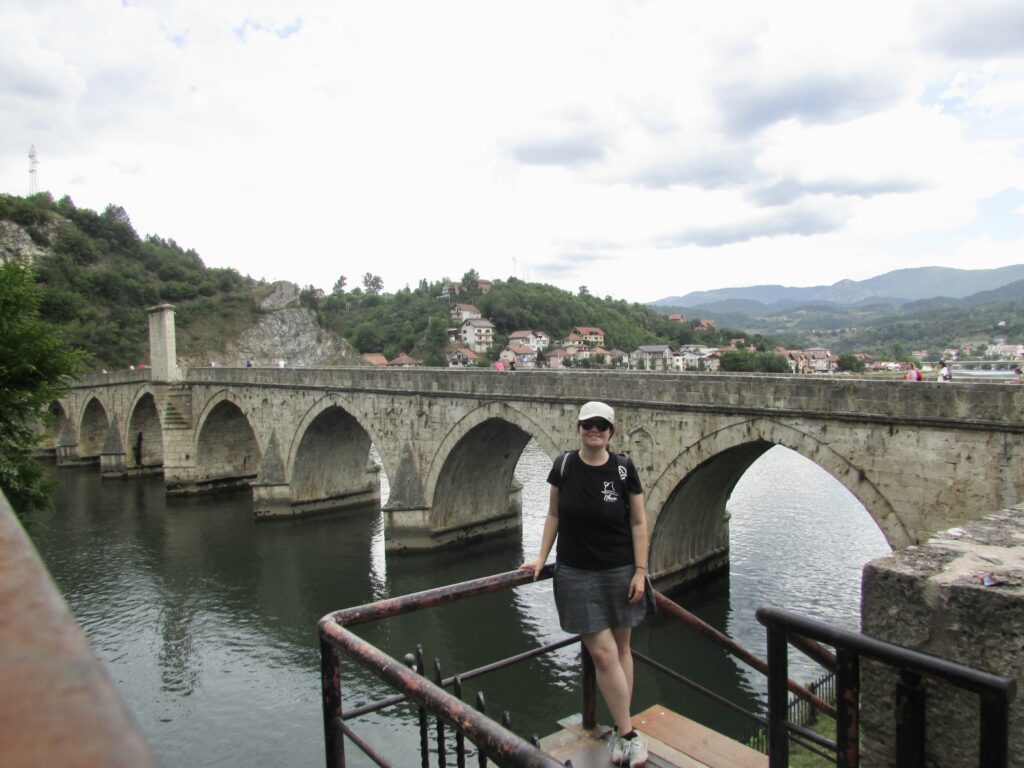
[589, 601]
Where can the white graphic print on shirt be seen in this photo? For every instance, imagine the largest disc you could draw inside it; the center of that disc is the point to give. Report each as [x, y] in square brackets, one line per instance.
[610, 493]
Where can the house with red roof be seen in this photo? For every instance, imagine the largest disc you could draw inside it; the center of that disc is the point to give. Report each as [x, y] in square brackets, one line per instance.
[404, 361]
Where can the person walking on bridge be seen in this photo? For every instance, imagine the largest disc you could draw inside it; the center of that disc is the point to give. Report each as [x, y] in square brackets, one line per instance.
[596, 513]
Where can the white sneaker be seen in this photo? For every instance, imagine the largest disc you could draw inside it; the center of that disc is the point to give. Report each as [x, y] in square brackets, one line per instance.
[615, 746]
[634, 751]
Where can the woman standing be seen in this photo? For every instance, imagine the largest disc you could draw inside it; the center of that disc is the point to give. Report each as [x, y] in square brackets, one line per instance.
[596, 512]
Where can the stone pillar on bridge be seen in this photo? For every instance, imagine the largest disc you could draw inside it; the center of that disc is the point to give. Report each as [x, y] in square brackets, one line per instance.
[112, 457]
[67, 445]
[178, 449]
[271, 494]
[163, 354]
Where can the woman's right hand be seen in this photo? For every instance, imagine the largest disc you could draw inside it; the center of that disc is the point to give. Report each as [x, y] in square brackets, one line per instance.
[533, 565]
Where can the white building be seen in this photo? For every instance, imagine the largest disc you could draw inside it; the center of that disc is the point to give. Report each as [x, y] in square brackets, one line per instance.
[463, 312]
[538, 341]
[477, 334]
[522, 355]
[652, 357]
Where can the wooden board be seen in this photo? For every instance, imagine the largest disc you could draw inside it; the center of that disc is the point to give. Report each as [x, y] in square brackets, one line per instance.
[695, 741]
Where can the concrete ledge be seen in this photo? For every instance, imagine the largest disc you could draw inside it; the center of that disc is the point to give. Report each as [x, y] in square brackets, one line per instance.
[403, 535]
[58, 707]
[959, 596]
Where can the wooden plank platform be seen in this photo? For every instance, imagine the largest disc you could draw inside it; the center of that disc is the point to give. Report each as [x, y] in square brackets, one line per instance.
[674, 741]
[669, 733]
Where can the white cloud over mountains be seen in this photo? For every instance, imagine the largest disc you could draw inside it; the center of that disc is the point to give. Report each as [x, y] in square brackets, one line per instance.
[642, 149]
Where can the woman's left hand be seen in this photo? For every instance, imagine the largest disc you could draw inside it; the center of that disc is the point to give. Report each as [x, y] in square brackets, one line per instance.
[636, 588]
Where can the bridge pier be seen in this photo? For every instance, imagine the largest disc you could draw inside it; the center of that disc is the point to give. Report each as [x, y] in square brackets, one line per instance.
[408, 529]
[692, 572]
[274, 500]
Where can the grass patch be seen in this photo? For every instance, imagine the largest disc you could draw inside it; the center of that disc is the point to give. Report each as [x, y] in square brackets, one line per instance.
[802, 758]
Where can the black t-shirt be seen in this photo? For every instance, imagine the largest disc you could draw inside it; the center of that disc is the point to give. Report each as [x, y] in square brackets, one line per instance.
[593, 512]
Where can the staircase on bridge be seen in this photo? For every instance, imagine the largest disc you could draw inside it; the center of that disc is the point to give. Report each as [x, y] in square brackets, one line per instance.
[674, 741]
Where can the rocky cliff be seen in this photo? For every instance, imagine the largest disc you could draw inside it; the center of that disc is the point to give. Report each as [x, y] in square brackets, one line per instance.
[288, 332]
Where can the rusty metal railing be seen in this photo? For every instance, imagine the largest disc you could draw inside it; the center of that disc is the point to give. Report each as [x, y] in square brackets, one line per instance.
[493, 741]
[994, 691]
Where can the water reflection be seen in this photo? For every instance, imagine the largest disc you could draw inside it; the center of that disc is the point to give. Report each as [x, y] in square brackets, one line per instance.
[206, 619]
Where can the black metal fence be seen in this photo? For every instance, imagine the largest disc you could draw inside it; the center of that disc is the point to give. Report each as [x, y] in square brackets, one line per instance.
[800, 711]
[994, 691]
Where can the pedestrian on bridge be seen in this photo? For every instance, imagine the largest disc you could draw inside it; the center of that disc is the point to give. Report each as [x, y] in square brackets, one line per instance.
[596, 513]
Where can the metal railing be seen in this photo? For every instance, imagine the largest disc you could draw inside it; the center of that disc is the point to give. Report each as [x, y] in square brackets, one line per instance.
[994, 691]
[493, 741]
[800, 712]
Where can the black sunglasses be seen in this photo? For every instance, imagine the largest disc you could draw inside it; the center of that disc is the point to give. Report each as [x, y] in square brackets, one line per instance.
[599, 424]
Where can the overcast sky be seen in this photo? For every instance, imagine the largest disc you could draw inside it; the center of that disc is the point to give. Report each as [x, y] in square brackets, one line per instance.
[642, 149]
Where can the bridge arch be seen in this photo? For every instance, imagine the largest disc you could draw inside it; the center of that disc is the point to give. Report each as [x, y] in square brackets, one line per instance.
[329, 453]
[686, 503]
[143, 439]
[226, 448]
[92, 428]
[471, 475]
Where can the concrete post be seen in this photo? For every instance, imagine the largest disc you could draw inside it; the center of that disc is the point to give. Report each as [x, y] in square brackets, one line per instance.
[163, 354]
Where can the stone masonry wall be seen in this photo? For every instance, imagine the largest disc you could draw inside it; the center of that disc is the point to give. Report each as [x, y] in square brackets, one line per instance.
[934, 598]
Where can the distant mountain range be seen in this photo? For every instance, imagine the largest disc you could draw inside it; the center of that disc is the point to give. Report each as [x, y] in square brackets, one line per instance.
[930, 308]
[899, 287]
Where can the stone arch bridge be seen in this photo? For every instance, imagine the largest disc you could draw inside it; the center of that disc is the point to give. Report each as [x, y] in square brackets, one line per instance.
[921, 457]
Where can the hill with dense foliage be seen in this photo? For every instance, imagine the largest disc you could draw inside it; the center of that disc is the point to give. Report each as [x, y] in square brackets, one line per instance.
[416, 321]
[98, 278]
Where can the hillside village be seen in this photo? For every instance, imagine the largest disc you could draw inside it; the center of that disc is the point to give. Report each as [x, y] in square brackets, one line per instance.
[471, 341]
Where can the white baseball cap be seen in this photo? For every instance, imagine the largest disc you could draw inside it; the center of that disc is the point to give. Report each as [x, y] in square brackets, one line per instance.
[595, 409]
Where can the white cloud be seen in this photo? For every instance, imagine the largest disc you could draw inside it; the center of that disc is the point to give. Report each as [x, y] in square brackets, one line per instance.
[641, 149]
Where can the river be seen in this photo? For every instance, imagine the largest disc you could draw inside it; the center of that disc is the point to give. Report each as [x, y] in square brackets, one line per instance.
[206, 619]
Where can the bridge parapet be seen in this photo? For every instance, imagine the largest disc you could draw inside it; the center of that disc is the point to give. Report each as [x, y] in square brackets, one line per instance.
[835, 397]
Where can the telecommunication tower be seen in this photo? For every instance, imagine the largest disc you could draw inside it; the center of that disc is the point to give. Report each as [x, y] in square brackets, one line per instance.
[33, 165]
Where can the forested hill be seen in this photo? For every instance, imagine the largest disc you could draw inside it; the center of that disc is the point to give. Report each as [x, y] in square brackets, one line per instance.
[416, 320]
[98, 278]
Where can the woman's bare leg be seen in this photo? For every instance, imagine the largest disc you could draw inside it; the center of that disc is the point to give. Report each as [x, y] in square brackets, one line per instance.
[622, 637]
[615, 686]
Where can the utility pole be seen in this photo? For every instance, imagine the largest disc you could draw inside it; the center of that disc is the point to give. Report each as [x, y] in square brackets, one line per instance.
[33, 165]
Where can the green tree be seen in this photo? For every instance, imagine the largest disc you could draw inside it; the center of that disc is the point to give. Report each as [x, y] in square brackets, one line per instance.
[761, 362]
[469, 280]
[373, 283]
[36, 365]
[850, 363]
[339, 285]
